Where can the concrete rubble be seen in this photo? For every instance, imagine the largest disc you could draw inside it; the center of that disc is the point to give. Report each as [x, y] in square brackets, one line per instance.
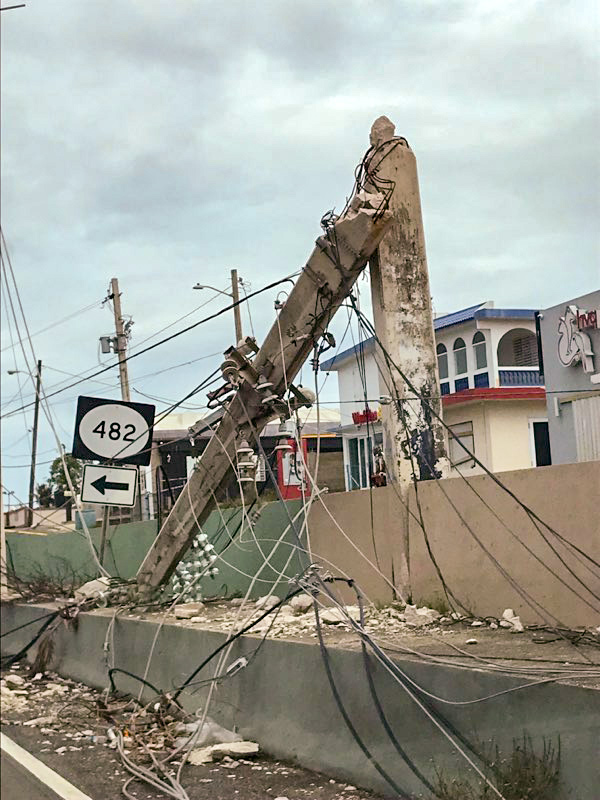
[511, 621]
[188, 610]
[194, 734]
[95, 588]
[296, 618]
[215, 752]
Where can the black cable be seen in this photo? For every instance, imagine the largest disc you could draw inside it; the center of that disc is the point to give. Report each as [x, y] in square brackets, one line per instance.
[26, 624]
[230, 639]
[401, 793]
[471, 455]
[156, 691]
[420, 520]
[153, 346]
[7, 661]
[377, 702]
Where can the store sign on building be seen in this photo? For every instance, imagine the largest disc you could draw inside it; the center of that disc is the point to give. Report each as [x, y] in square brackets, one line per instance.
[575, 346]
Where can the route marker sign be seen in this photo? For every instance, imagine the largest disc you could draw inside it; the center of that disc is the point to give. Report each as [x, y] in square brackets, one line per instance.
[109, 486]
[112, 430]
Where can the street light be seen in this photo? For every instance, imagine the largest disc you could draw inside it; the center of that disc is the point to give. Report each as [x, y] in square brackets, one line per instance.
[212, 288]
[36, 412]
[235, 296]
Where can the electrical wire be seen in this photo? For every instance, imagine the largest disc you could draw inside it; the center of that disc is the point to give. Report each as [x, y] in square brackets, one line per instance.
[147, 349]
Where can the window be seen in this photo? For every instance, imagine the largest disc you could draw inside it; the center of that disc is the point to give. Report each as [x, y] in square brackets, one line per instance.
[442, 359]
[460, 356]
[479, 350]
[518, 348]
[525, 348]
[360, 460]
[463, 431]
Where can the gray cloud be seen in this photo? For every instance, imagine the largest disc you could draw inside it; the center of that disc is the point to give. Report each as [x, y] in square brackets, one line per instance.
[166, 142]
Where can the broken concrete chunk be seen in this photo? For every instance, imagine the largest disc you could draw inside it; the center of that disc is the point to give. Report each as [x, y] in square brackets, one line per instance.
[333, 616]
[301, 603]
[267, 601]
[471, 641]
[92, 588]
[205, 755]
[512, 621]
[382, 130]
[420, 616]
[477, 623]
[14, 681]
[188, 610]
[211, 733]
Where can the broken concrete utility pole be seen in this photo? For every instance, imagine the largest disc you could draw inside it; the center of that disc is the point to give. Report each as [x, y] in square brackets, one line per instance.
[413, 437]
[261, 384]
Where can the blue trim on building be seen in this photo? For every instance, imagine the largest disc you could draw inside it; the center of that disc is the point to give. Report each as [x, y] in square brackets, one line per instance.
[505, 313]
[456, 318]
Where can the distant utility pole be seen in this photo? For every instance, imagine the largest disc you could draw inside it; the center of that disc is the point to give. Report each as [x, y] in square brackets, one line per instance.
[36, 414]
[235, 296]
[3, 565]
[236, 309]
[121, 340]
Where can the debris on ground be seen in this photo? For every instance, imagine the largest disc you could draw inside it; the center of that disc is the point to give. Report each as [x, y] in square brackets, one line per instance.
[216, 752]
[71, 728]
[95, 588]
[511, 621]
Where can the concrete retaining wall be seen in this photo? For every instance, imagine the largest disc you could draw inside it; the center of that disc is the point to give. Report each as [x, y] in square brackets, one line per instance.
[565, 496]
[284, 702]
[61, 554]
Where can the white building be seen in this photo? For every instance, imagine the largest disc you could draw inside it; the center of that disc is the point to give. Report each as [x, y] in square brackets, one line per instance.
[492, 393]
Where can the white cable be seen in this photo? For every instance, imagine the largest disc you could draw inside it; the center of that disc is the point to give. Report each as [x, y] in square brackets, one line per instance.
[46, 407]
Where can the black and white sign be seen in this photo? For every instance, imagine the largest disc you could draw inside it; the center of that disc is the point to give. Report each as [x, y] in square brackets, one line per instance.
[110, 486]
[112, 430]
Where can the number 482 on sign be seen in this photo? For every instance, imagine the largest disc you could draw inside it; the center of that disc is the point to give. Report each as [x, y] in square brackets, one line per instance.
[111, 430]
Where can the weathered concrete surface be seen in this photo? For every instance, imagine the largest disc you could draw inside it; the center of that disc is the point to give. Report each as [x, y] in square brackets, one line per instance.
[565, 496]
[323, 285]
[414, 440]
[284, 702]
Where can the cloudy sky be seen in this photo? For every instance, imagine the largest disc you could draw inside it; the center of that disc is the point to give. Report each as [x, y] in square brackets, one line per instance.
[165, 142]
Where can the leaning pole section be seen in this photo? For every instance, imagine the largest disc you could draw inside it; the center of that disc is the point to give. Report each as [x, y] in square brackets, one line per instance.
[324, 284]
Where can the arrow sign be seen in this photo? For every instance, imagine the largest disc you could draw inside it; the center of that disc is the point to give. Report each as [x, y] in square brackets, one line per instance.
[111, 486]
[102, 484]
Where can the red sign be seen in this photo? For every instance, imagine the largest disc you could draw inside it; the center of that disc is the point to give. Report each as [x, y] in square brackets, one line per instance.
[587, 319]
[360, 417]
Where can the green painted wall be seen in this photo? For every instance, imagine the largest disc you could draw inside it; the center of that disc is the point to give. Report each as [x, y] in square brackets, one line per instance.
[60, 554]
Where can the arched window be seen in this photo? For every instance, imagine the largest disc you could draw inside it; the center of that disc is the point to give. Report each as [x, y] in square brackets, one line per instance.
[479, 350]
[442, 359]
[460, 356]
[518, 348]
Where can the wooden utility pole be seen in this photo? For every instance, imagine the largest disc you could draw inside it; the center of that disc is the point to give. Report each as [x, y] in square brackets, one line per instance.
[121, 340]
[36, 414]
[3, 563]
[235, 293]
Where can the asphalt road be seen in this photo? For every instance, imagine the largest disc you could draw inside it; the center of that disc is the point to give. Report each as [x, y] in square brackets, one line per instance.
[17, 783]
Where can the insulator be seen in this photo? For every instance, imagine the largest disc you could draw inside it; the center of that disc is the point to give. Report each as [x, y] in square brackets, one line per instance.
[246, 464]
[287, 429]
[385, 400]
[284, 447]
[263, 384]
[270, 399]
[244, 448]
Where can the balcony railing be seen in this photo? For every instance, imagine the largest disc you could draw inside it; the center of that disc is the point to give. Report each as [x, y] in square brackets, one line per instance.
[519, 376]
